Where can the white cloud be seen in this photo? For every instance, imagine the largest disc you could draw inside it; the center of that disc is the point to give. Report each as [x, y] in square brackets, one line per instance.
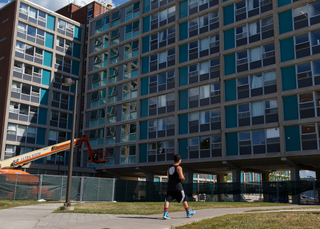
[2, 4]
[57, 4]
[307, 173]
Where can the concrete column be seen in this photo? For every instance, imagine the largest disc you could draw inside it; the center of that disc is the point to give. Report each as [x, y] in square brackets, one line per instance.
[188, 184]
[150, 177]
[236, 178]
[220, 179]
[294, 173]
[189, 177]
[265, 178]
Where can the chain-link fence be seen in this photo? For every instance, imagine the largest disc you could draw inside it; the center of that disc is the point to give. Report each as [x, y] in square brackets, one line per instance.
[18, 186]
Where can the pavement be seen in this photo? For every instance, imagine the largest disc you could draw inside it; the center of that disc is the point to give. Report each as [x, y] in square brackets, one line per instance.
[41, 216]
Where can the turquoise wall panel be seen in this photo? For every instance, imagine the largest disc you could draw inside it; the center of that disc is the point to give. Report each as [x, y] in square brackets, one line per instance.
[290, 108]
[183, 53]
[232, 144]
[283, 2]
[183, 100]
[145, 44]
[292, 134]
[183, 31]
[183, 124]
[77, 33]
[286, 49]
[183, 148]
[50, 22]
[285, 21]
[183, 9]
[46, 77]
[76, 50]
[143, 130]
[288, 76]
[75, 67]
[143, 153]
[47, 59]
[229, 41]
[42, 118]
[228, 15]
[146, 24]
[183, 76]
[230, 90]
[41, 136]
[229, 64]
[49, 40]
[44, 96]
[145, 65]
[144, 86]
[231, 116]
[144, 108]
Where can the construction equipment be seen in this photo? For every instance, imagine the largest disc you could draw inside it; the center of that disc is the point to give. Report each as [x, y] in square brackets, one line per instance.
[10, 175]
[95, 156]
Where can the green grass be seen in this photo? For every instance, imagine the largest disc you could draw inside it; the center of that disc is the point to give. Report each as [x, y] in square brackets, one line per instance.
[259, 221]
[150, 208]
[277, 209]
[16, 203]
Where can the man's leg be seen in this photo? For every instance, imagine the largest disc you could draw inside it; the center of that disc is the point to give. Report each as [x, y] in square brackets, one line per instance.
[186, 207]
[166, 206]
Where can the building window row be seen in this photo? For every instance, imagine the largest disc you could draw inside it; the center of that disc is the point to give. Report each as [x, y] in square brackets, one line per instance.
[29, 52]
[161, 151]
[161, 104]
[162, 38]
[204, 23]
[23, 112]
[60, 100]
[27, 72]
[12, 150]
[249, 8]
[162, 60]
[33, 15]
[162, 127]
[160, 82]
[25, 92]
[306, 15]
[21, 133]
[197, 6]
[59, 119]
[163, 17]
[204, 121]
[34, 34]
[204, 147]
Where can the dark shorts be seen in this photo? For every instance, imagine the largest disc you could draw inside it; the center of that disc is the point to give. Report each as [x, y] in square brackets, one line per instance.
[176, 195]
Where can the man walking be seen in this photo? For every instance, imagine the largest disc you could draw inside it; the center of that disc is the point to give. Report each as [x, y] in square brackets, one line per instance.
[175, 190]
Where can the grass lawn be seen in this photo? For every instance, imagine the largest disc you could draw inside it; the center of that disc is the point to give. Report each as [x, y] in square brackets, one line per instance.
[16, 203]
[259, 221]
[150, 208]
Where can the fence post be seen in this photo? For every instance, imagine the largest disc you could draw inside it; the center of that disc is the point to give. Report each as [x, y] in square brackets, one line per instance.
[314, 192]
[15, 187]
[212, 191]
[40, 187]
[161, 189]
[61, 187]
[98, 189]
[125, 196]
[113, 188]
[278, 198]
[260, 191]
[81, 188]
[241, 185]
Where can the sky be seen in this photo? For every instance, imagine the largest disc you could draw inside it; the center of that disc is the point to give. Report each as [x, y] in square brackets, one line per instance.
[57, 4]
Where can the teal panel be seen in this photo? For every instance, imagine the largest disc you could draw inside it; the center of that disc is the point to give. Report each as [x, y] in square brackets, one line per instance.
[230, 64]
[183, 76]
[183, 53]
[183, 9]
[285, 21]
[75, 67]
[183, 31]
[145, 44]
[283, 2]
[49, 40]
[143, 153]
[71, 101]
[77, 33]
[288, 75]
[47, 59]
[68, 136]
[46, 77]
[183, 124]
[241, 177]
[76, 50]
[146, 6]
[44, 96]
[143, 130]
[145, 65]
[292, 134]
[70, 121]
[144, 86]
[290, 108]
[42, 120]
[183, 100]
[228, 15]
[144, 108]
[183, 148]
[230, 90]
[50, 22]
[287, 49]
[231, 116]
[232, 144]
[146, 24]
[41, 136]
[229, 41]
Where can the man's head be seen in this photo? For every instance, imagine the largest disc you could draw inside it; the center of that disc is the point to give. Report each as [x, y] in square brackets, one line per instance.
[177, 158]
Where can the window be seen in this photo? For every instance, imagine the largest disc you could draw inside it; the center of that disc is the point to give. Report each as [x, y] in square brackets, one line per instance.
[112, 95]
[98, 98]
[130, 69]
[128, 132]
[161, 104]
[133, 11]
[132, 30]
[128, 154]
[244, 115]
[115, 37]
[161, 82]
[64, 45]
[111, 135]
[163, 17]
[309, 137]
[306, 105]
[161, 127]
[98, 79]
[249, 8]
[111, 116]
[131, 49]
[115, 18]
[100, 25]
[65, 28]
[97, 117]
[96, 137]
[113, 77]
[129, 90]
[129, 111]
[160, 151]
[114, 56]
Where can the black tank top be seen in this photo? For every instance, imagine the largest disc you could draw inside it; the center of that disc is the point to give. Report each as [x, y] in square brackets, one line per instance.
[174, 183]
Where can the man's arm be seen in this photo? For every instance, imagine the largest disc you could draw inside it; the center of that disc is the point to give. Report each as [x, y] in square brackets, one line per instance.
[180, 172]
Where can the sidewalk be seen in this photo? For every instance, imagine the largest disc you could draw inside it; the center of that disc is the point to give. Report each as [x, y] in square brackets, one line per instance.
[41, 216]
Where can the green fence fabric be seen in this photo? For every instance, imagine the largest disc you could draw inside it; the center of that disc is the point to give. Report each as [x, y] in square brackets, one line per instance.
[49, 187]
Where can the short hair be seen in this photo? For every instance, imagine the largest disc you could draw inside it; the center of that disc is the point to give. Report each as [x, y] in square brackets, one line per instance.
[176, 158]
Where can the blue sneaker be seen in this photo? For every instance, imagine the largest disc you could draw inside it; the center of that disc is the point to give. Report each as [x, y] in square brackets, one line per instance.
[166, 215]
[191, 213]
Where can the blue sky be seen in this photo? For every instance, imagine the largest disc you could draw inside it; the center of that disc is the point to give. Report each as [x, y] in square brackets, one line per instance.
[57, 4]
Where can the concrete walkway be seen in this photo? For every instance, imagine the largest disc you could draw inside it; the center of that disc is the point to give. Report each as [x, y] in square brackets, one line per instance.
[41, 216]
